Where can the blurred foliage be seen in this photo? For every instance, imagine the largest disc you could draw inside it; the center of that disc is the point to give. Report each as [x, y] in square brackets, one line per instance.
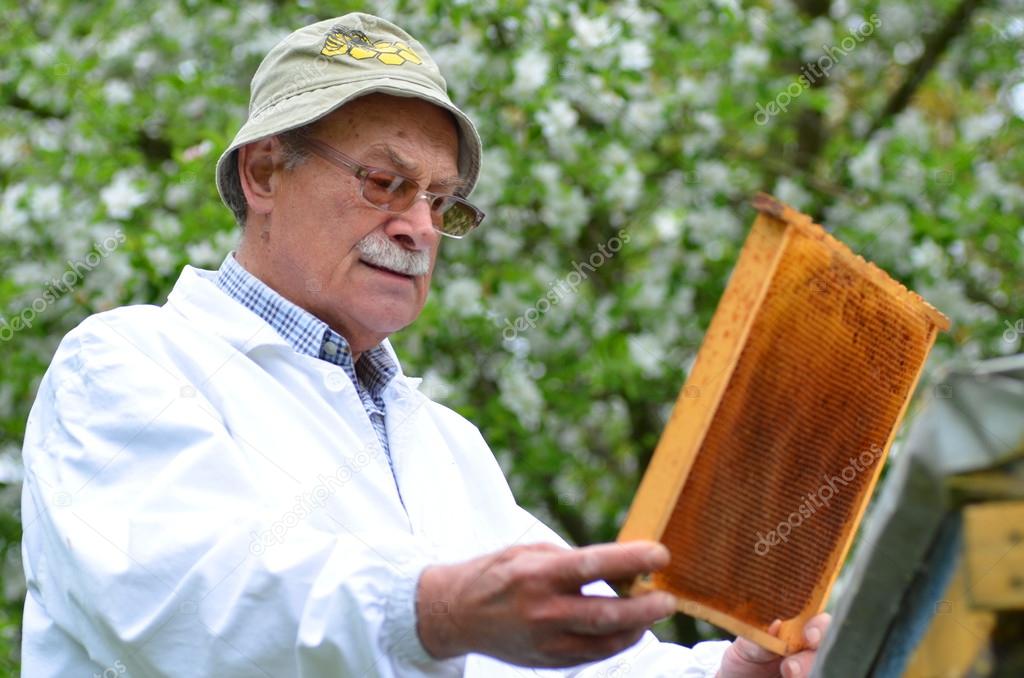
[597, 118]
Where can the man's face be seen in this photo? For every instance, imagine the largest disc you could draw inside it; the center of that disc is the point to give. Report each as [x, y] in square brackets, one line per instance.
[319, 218]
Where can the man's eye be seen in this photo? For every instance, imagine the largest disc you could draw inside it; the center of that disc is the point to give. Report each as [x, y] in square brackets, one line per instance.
[386, 182]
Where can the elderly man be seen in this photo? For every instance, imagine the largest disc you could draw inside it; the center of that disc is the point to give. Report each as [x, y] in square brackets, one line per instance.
[243, 482]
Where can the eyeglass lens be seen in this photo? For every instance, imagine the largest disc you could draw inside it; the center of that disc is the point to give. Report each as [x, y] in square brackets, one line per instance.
[396, 193]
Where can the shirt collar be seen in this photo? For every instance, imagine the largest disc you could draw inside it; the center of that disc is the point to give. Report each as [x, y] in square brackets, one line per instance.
[303, 331]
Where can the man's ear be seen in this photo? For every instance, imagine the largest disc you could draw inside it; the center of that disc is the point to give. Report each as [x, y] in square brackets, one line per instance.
[257, 163]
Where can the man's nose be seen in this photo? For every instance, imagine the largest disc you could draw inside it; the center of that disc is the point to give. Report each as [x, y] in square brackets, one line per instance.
[415, 226]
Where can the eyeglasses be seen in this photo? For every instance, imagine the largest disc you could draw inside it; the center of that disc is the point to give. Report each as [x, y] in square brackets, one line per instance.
[391, 192]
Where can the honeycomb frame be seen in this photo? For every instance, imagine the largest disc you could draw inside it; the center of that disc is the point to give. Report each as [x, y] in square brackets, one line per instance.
[807, 368]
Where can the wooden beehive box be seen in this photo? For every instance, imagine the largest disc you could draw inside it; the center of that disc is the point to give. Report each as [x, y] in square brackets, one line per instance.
[779, 434]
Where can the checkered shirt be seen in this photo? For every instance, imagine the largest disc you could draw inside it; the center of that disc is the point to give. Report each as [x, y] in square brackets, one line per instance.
[311, 336]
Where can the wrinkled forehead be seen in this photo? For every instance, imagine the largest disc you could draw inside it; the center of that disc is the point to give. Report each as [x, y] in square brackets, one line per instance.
[408, 135]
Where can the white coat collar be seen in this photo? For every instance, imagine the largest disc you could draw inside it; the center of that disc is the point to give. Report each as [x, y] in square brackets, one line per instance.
[197, 297]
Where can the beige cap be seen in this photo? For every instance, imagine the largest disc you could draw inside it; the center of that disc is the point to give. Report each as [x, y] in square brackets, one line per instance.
[319, 68]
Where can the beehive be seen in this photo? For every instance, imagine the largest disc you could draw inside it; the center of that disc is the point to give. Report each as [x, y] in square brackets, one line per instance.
[784, 420]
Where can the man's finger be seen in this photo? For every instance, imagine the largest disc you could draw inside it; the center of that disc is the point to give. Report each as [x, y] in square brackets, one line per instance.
[610, 561]
[586, 648]
[599, 615]
[798, 665]
[815, 628]
[751, 652]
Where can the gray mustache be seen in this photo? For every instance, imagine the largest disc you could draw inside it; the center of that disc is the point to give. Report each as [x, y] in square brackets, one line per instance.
[379, 250]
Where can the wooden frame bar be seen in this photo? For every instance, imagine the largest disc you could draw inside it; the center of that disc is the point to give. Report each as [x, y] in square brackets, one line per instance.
[805, 372]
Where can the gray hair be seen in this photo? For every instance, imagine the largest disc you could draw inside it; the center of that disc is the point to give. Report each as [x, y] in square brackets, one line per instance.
[234, 196]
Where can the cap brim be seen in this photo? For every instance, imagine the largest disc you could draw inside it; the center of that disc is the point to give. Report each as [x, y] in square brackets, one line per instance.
[307, 107]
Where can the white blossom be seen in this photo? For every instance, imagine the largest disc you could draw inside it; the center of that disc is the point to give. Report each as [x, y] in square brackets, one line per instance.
[106, 281]
[531, 70]
[731, 6]
[435, 386]
[47, 136]
[162, 259]
[461, 61]
[591, 33]
[501, 245]
[627, 188]
[667, 225]
[791, 193]
[645, 116]
[951, 297]
[548, 174]
[126, 41]
[462, 296]
[178, 194]
[200, 150]
[634, 55]
[710, 124]
[591, 95]
[713, 177]
[615, 155]
[1016, 100]
[601, 322]
[889, 224]
[757, 23]
[646, 352]
[976, 128]
[896, 20]
[865, 167]
[12, 217]
[11, 470]
[145, 61]
[688, 88]
[204, 254]
[520, 394]
[990, 183]
[566, 209]
[557, 119]
[708, 224]
[747, 61]
[11, 150]
[45, 204]
[928, 256]
[121, 196]
[816, 37]
[27, 273]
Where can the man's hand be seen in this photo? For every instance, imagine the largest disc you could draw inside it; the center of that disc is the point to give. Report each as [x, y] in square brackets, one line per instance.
[745, 659]
[523, 605]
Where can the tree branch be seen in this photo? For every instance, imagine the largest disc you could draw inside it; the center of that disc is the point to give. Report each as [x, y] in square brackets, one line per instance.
[935, 46]
[16, 101]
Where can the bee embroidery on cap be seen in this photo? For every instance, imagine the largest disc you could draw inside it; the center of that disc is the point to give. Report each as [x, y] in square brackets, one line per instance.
[356, 44]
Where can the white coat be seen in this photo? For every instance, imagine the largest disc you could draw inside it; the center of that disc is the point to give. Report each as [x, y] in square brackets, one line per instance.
[200, 500]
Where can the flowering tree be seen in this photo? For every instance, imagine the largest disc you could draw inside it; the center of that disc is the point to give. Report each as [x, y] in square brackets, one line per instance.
[623, 142]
